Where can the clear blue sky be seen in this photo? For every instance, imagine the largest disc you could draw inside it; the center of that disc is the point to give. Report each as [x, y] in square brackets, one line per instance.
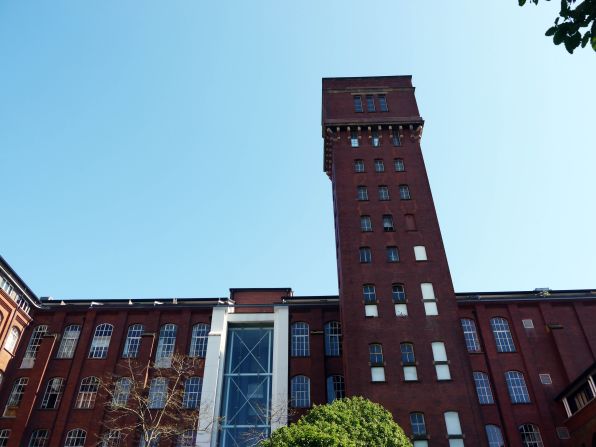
[174, 148]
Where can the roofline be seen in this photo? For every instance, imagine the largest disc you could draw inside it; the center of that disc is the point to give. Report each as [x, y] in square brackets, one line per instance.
[28, 293]
[336, 78]
[260, 289]
[528, 292]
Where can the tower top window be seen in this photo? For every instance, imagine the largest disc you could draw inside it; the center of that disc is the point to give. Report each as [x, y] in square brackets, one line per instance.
[370, 103]
[358, 103]
[383, 103]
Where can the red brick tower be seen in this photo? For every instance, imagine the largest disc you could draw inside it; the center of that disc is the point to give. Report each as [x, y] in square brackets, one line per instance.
[402, 341]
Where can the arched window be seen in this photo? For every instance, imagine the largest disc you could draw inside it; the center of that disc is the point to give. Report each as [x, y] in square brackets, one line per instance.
[375, 354]
[502, 334]
[75, 438]
[158, 392]
[300, 346]
[407, 354]
[33, 346]
[485, 395]
[165, 345]
[300, 392]
[518, 392]
[133, 341]
[101, 341]
[494, 436]
[192, 392]
[16, 396]
[470, 335]
[87, 392]
[68, 344]
[53, 395]
[369, 294]
[398, 293]
[335, 388]
[530, 435]
[4, 435]
[199, 338]
[12, 339]
[39, 438]
[418, 424]
[333, 339]
[121, 391]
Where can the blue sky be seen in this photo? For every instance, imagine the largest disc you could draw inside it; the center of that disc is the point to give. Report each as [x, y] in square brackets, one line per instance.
[174, 149]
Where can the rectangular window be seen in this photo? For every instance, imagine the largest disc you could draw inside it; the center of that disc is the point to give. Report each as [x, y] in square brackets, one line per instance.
[358, 165]
[365, 224]
[354, 140]
[440, 361]
[453, 426]
[365, 255]
[383, 103]
[398, 293]
[428, 298]
[404, 192]
[392, 254]
[395, 137]
[528, 324]
[370, 103]
[420, 253]
[375, 139]
[398, 164]
[68, 344]
[369, 293]
[388, 223]
[545, 379]
[358, 104]
[379, 165]
[33, 346]
[383, 193]
[362, 193]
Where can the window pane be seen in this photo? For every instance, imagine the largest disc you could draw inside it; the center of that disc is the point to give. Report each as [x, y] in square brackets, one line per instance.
[485, 395]
[53, 394]
[470, 335]
[365, 223]
[494, 436]
[333, 339]
[87, 392]
[199, 339]
[335, 388]
[358, 103]
[165, 345]
[418, 424]
[516, 386]
[68, 344]
[530, 436]
[503, 339]
[300, 392]
[300, 346]
[404, 192]
[375, 351]
[133, 341]
[370, 103]
[101, 341]
[383, 103]
[192, 392]
[75, 438]
[39, 438]
[398, 164]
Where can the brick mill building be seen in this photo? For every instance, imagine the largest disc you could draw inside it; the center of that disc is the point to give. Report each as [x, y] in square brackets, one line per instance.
[469, 369]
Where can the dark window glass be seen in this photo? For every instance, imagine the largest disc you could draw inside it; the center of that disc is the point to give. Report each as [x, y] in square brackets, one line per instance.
[383, 103]
[358, 103]
[370, 103]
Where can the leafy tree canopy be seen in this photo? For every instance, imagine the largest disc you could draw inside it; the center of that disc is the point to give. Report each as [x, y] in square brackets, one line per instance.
[573, 18]
[353, 422]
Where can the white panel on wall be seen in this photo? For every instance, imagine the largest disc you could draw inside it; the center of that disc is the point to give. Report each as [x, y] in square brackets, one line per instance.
[420, 253]
[452, 423]
[410, 373]
[439, 352]
[428, 293]
[401, 310]
[420, 443]
[443, 372]
[370, 310]
[430, 308]
[377, 373]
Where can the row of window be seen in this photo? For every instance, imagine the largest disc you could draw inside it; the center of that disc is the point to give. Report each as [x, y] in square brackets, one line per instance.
[370, 103]
[500, 330]
[300, 339]
[101, 342]
[8, 288]
[300, 390]
[516, 385]
[379, 164]
[383, 192]
[398, 296]
[77, 438]
[90, 386]
[392, 254]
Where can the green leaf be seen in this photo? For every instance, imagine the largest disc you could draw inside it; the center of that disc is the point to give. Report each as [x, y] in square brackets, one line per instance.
[551, 31]
[559, 36]
[522, 2]
[593, 43]
[585, 40]
[572, 42]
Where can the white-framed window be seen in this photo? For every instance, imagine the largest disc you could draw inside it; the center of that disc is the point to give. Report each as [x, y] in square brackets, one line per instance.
[388, 223]
[494, 436]
[408, 361]
[362, 193]
[502, 334]
[398, 165]
[165, 345]
[440, 360]
[383, 193]
[122, 388]
[418, 424]
[354, 139]
[470, 335]
[398, 293]
[530, 435]
[333, 339]
[404, 192]
[454, 431]
[369, 293]
[300, 346]
[365, 224]
[428, 298]
[365, 255]
[300, 392]
[53, 394]
[375, 354]
[158, 390]
[370, 103]
[87, 393]
[101, 341]
[133, 341]
[12, 339]
[516, 385]
[75, 438]
[483, 390]
[16, 396]
[68, 344]
[33, 346]
[192, 392]
[358, 165]
[4, 435]
[392, 254]
[420, 253]
[335, 388]
[358, 103]
[199, 340]
[39, 438]
[379, 165]
[383, 103]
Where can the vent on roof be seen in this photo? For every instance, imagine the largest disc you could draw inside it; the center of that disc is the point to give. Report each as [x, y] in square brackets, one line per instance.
[563, 433]
[545, 379]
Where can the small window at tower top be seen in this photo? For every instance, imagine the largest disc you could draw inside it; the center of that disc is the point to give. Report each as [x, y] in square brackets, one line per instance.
[358, 103]
[370, 103]
[383, 103]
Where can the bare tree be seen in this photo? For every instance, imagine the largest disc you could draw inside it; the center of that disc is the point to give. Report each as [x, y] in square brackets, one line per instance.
[155, 403]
